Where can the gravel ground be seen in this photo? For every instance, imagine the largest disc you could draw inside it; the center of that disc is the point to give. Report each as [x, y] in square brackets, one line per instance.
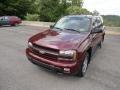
[17, 73]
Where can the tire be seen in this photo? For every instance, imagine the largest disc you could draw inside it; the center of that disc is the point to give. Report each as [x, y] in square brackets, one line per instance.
[13, 24]
[103, 39]
[31, 61]
[100, 44]
[84, 66]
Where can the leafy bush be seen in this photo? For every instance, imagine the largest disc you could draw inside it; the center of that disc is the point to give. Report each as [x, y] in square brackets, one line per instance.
[32, 17]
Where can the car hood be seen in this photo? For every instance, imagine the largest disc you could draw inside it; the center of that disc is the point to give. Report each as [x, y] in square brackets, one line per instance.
[58, 40]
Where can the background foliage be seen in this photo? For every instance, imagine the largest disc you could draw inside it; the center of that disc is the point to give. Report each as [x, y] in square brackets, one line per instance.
[49, 10]
[32, 17]
[111, 20]
[73, 10]
[14, 7]
[45, 10]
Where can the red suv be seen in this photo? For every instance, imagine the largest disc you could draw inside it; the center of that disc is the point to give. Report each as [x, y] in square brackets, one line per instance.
[68, 45]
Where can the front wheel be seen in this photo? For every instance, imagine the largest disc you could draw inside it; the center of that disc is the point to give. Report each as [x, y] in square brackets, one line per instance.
[13, 24]
[84, 66]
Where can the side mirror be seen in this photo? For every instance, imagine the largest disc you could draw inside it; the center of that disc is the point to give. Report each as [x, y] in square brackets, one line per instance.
[51, 26]
[97, 30]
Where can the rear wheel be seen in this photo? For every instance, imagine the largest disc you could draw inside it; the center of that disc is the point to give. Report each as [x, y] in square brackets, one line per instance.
[103, 39]
[100, 44]
[84, 66]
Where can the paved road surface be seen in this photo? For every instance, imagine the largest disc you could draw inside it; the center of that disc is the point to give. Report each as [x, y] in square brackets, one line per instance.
[17, 73]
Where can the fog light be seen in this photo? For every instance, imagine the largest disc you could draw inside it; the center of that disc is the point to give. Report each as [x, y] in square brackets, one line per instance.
[66, 70]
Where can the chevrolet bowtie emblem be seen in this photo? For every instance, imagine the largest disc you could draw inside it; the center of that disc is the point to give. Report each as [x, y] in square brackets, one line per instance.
[42, 52]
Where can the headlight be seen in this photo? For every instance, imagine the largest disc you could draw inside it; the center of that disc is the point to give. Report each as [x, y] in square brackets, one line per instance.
[69, 55]
[30, 44]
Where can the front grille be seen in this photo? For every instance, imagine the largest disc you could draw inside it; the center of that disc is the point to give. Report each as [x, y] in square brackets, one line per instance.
[51, 54]
[50, 50]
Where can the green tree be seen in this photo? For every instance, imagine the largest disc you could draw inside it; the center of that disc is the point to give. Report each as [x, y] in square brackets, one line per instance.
[14, 7]
[73, 2]
[75, 10]
[77, 3]
[95, 12]
[51, 10]
[35, 7]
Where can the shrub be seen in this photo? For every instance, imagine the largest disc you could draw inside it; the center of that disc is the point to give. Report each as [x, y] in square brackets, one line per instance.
[32, 17]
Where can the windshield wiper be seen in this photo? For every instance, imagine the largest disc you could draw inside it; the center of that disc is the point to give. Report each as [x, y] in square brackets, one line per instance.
[58, 28]
[71, 29]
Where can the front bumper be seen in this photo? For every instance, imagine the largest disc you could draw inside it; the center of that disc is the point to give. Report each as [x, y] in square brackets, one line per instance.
[55, 65]
[44, 65]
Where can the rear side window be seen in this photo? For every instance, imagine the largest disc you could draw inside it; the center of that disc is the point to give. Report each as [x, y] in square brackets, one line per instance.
[97, 21]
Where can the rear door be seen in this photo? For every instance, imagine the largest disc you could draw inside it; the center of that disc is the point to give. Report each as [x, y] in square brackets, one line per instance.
[100, 26]
[96, 37]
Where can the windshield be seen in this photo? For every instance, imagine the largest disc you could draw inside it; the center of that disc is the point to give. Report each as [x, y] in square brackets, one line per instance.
[80, 24]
